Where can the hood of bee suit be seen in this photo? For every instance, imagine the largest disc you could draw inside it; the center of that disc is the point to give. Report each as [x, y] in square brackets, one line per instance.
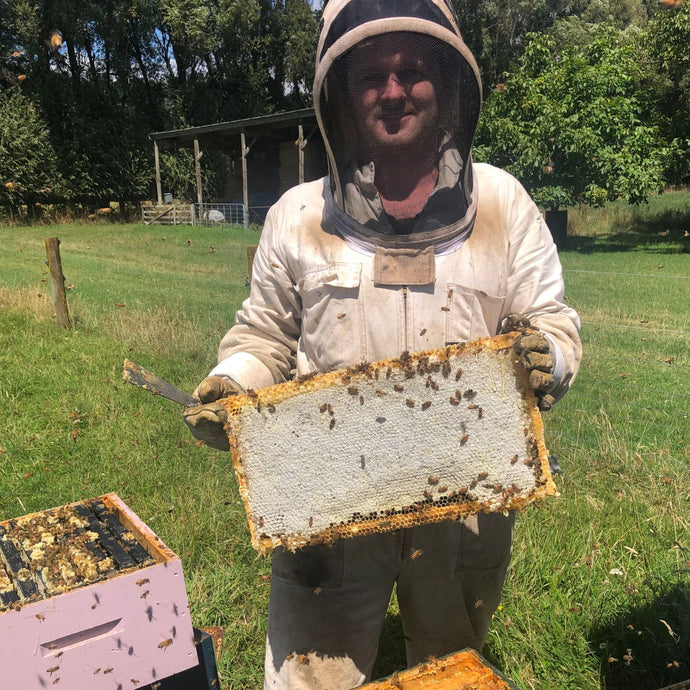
[351, 197]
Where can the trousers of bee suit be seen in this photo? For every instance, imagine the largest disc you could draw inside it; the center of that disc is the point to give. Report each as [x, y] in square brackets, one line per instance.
[328, 604]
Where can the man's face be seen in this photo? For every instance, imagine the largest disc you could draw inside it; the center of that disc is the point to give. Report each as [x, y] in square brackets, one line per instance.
[392, 89]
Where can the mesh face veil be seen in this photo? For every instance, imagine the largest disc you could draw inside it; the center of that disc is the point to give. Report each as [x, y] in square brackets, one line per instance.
[397, 96]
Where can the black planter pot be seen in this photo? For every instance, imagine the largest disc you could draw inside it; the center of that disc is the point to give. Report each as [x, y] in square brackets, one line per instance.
[558, 225]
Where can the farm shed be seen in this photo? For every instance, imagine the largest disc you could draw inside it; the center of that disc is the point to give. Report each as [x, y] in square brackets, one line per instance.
[268, 154]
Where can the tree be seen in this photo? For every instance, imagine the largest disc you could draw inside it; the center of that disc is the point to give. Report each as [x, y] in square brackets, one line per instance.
[570, 125]
[28, 164]
[667, 44]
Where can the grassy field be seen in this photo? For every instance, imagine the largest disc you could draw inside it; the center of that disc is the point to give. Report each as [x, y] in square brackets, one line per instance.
[597, 594]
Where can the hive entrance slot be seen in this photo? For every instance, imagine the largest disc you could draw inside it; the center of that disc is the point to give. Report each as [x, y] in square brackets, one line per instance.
[82, 637]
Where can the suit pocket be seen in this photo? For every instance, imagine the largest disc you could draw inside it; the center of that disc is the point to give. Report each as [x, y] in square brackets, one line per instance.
[333, 333]
[485, 543]
[471, 314]
[310, 567]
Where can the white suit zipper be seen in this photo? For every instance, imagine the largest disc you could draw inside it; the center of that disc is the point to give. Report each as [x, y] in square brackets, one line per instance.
[405, 343]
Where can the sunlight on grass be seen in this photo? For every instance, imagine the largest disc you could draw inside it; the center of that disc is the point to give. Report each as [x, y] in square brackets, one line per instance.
[595, 571]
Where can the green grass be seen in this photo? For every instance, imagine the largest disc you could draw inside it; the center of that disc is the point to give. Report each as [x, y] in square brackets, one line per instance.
[598, 571]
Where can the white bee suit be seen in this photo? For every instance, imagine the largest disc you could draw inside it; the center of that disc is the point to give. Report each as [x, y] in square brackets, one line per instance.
[336, 281]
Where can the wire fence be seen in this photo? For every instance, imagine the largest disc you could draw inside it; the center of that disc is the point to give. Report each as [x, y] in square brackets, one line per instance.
[219, 214]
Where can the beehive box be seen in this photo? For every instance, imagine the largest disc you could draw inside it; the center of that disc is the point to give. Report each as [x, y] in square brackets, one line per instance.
[377, 447]
[90, 598]
[465, 670]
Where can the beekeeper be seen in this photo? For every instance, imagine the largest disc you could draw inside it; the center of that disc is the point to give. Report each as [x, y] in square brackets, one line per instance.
[406, 245]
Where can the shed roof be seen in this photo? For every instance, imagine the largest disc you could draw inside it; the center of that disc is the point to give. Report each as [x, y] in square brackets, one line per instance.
[186, 136]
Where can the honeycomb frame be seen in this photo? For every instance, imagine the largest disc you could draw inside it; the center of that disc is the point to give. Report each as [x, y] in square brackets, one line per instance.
[306, 434]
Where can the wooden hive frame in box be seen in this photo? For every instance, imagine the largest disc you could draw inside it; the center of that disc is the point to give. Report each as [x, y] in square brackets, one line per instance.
[90, 598]
[378, 447]
[464, 670]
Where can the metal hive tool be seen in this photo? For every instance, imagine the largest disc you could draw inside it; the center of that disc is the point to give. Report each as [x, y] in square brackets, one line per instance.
[378, 447]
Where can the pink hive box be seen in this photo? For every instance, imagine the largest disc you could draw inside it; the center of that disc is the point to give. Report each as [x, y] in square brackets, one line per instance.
[90, 598]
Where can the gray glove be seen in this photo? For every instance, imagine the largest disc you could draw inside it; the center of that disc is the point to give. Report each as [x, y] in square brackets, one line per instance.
[207, 421]
[534, 354]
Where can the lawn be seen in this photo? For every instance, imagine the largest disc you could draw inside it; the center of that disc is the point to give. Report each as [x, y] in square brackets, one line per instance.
[597, 593]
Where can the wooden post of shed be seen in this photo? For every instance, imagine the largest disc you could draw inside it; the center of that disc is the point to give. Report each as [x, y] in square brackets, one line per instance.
[57, 282]
[301, 144]
[159, 190]
[197, 170]
[245, 185]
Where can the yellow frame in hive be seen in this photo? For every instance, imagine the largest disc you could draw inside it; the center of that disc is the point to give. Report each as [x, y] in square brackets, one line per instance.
[377, 447]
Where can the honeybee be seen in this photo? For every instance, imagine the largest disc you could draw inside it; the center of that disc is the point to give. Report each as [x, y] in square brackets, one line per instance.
[416, 554]
[479, 603]
[53, 669]
[332, 424]
[458, 374]
[463, 438]
[514, 459]
[341, 317]
[143, 581]
[482, 475]
[409, 402]
[454, 401]
[442, 489]
[427, 494]
[450, 293]
[144, 594]
[361, 400]
[134, 681]
[271, 407]
[323, 408]
[398, 388]
[433, 480]
[352, 390]
[311, 522]
[40, 617]
[161, 645]
[422, 332]
[318, 590]
[109, 669]
[445, 308]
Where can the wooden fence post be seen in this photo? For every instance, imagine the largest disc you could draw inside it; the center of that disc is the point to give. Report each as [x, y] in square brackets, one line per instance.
[58, 282]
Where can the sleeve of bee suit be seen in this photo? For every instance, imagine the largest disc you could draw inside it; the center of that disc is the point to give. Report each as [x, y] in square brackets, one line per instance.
[259, 350]
[535, 282]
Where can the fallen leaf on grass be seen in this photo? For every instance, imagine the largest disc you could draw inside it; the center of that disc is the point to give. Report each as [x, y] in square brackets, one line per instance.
[674, 635]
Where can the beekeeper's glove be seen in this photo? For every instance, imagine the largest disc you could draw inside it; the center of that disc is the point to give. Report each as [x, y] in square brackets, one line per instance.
[207, 421]
[534, 353]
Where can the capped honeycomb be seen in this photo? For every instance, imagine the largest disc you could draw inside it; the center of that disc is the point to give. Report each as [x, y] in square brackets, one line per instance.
[58, 550]
[380, 446]
[465, 670]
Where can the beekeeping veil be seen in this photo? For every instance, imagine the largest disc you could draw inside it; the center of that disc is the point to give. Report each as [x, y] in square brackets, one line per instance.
[352, 205]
